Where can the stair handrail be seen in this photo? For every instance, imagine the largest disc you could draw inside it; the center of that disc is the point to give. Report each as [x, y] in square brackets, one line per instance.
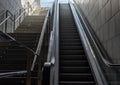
[3, 12]
[4, 20]
[13, 40]
[28, 6]
[40, 43]
[12, 16]
[7, 16]
[24, 11]
[8, 37]
[97, 45]
[13, 73]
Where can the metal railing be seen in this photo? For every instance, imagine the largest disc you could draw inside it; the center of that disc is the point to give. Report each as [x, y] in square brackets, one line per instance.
[40, 43]
[15, 20]
[11, 39]
[6, 36]
[39, 47]
[9, 74]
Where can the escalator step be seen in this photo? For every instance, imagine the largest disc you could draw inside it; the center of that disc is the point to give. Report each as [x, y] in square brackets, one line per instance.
[73, 57]
[71, 52]
[77, 83]
[75, 69]
[70, 44]
[69, 37]
[71, 47]
[73, 63]
[75, 77]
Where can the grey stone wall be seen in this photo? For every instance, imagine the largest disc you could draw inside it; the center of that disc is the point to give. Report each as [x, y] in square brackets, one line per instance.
[12, 6]
[104, 17]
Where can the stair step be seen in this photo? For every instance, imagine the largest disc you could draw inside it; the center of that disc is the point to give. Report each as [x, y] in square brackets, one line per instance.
[16, 81]
[8, 61]
[15, 50]
[22, 67]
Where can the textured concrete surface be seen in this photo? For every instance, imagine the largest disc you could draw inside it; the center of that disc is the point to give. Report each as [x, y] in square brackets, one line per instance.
[104, 17]
[10, 5]
[14, 7]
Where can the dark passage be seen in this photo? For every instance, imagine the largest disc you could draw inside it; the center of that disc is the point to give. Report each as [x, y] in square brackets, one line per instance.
[74, 67]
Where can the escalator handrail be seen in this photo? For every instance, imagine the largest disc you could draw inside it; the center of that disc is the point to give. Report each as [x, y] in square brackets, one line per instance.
[46, 73]
[91, 56]
[105, 61]
[52, 58]
[8, 74]
[53, 30]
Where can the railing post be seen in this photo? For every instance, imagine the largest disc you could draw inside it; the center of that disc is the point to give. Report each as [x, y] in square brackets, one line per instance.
[39, 70]
[28, 7]
[6, 15]
[24, 12]
[14, 24]
[29, 61]
[20, 17]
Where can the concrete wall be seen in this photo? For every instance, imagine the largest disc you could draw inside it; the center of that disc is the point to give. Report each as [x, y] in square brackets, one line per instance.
[13, 6]
[104, 17]
[10, 5]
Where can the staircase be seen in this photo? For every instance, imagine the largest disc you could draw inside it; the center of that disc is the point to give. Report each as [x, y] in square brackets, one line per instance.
[16, 58]
[74, 68]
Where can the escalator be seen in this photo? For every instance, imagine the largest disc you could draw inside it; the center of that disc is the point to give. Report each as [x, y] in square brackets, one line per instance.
[74, 68]
[76, 56]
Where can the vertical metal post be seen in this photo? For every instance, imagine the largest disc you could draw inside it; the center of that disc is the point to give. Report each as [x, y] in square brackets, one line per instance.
[14, 24]
[20, 17]
[28, 8]
[6, 15]
[39, 71]
[24, 12]
[29, 61]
